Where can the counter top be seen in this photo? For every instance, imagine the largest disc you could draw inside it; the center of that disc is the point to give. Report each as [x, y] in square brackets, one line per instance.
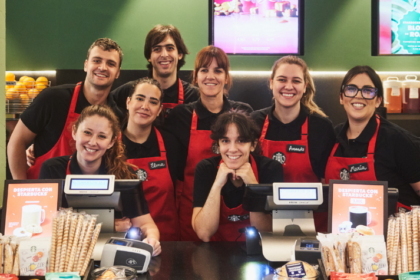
[212, 261]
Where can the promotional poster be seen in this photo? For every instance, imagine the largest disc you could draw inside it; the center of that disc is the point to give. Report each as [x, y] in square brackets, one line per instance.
[399, 27]
[30, 209]
[358, 208]
[256, 26]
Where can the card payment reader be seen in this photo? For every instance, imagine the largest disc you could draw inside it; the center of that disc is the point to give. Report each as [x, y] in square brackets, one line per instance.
[308, 250]
[133, 253]
[292, 206]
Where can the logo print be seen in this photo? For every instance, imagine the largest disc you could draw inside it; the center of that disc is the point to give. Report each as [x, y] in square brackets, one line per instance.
[280, 157]
[131, 262]
[142, 174]
[344, 174]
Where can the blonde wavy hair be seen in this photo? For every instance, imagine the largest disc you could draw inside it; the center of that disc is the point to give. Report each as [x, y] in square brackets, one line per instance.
[308, 97]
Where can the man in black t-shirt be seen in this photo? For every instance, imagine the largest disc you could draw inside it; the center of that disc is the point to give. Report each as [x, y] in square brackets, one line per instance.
[165, 51]
[47, 121]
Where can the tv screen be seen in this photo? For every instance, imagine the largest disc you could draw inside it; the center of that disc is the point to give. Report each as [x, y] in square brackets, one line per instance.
[396, 27]
[257, 26]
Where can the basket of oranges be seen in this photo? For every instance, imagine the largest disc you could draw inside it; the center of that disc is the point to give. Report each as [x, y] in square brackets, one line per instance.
[19, 94]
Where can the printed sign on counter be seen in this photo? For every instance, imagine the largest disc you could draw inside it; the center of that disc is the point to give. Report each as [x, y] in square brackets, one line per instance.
[30, 209]
[358, 208]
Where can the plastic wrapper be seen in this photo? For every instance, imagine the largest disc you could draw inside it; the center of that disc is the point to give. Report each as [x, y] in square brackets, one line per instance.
[73, 225]
[395, 244]
[66, 232]
[8, 258]
[78, 231]
[80, 241]
[114, 272]
[372, 254]
[53, 244]
[413, 275]
[15, 269]
[409, 219]
[327, 253]
[415, 229]
[390, 237]
[404, 243]
[8, 277]
[86, 241]
[59, 243]
[33, 256]
[62, 275]
[91, 247]
[296, 270]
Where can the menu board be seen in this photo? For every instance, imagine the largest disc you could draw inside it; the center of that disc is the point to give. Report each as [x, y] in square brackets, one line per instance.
[257, 26]
[29, 208]
[399, 27]
[358, 207]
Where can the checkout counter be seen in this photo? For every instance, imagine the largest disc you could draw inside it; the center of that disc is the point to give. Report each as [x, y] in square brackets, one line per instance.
[292, 223]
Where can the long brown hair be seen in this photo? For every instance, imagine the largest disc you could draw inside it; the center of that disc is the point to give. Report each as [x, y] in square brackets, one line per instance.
[115, 159]
[308, 97]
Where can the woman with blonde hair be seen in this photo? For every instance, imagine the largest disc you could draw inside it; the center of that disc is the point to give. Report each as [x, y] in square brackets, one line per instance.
[294, 130]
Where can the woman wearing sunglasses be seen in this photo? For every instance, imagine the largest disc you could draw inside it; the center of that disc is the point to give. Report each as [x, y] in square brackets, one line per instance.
[369, 147]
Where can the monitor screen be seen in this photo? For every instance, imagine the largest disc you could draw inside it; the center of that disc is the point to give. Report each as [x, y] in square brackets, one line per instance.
[89, 184]
[298, 194]
[257, 26]
[358, 206]
[397, 25]
[29, 207]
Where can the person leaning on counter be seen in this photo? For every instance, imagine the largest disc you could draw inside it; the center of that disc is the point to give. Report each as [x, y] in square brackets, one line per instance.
[190, 123]
[100, 151]
[219, 182]
[294, 130]
[155, 153]
[369, 147]
[47, 120]
[165, 51]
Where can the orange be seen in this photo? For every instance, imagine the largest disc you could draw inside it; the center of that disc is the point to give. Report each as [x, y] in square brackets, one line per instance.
[20, 87]
[42, 80]
[22, 78]
[11, 94]
[7, 87]
[29, 82]
[40, 86]
[10, 77]
[24, 98]
[32, 93]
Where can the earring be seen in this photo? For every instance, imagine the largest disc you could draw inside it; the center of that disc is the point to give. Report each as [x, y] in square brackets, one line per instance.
[215, 149]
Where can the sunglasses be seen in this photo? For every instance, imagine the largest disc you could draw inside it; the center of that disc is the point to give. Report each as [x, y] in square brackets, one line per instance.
[367, 92]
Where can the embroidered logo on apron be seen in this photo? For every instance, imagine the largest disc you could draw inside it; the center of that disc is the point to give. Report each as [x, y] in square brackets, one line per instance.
[237, 218]
[280, 157]
[360, 167]
[142, 174]
[157, 165]
[296, 148]
[344, 174]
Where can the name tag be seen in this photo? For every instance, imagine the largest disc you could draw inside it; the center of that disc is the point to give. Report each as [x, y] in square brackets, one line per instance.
[157, 164]
[296, 148]
[360, 167]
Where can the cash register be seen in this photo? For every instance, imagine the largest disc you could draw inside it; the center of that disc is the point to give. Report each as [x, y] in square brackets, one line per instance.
[292, 206]
[103, 195]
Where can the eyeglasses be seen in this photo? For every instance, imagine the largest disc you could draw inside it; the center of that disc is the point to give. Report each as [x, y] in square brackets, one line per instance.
[367, 92]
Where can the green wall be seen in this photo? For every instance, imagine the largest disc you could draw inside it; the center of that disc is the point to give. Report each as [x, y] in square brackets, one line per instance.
[55, 34]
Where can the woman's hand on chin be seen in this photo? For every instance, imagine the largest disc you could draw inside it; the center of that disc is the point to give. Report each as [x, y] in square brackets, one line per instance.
[222, 175]
[245, 173]
[155, 243]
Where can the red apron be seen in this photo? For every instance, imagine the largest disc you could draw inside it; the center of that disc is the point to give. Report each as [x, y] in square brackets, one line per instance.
[294, 156]
[339, 168]
[199, 149]
[63, 146]
[167, 107]
[232, 219]
[159, 192]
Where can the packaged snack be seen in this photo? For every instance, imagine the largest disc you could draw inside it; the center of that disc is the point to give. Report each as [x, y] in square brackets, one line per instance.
[33, 256]
[8, 257]
[327, 253]
[115, 272]
[66, 231]
[297, 269]
[404, 242]
[76, 236]
[85, 226]
[372, 253]
[59, 243]
[86, 243]
[395, 243]
[416, 265]
[53, 244]
[62, 275]
[8, 277]
[412, 275]
[91, 247]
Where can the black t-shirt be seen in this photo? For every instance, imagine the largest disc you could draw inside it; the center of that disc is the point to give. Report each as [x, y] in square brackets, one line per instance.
[269, 171]
[397, 157]
[47, 114]
[150, 148]
[321, 136]
[170, 95]
[179, 121]
[134, 202]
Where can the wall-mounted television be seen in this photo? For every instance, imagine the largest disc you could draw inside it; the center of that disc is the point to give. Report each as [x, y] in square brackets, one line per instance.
[395, 27]
[257, 27]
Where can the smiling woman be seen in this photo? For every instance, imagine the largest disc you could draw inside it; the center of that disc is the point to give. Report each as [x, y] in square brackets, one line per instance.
[219, 182]
[100, 151]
